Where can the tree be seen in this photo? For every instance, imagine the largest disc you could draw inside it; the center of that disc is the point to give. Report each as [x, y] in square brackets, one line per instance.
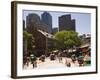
[29, 40]
[67, 39]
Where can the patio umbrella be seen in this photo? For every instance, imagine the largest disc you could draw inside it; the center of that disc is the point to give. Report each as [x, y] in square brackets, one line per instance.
[81, 56]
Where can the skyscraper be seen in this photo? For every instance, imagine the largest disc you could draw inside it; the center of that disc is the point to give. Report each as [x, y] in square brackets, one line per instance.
[73, 24]
[46, 18]
[33, 26]
[23, 24]
[33, 21]
[65, 23]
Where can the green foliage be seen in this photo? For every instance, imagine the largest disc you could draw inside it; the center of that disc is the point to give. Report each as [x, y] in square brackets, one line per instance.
[30, 40]
[69, 43]
[26, 35]
[67, 39]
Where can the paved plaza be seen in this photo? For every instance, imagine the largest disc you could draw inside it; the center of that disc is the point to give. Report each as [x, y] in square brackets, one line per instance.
[49, 64]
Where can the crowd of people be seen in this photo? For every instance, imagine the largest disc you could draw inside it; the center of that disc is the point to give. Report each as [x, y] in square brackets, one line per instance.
[59, 56]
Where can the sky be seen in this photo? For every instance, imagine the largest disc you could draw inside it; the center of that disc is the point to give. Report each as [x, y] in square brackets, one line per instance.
[82, 20]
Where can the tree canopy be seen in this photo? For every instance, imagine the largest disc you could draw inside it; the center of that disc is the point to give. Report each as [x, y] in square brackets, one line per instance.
[30, 40]
[67, 39]
[26, 35]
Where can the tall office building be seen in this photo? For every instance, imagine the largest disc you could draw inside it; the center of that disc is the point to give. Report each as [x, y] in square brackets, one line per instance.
[46, 18]
[33, 21]
[23, 24]
[36, 27]
[65, 23]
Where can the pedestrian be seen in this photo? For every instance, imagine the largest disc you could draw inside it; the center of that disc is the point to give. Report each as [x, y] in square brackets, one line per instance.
[52, 56]
[34, 64]
[80, 61]
[27, 61]
[67, 63]
[42, 58]
[60, 56]
[34, 61]
[73, 58]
